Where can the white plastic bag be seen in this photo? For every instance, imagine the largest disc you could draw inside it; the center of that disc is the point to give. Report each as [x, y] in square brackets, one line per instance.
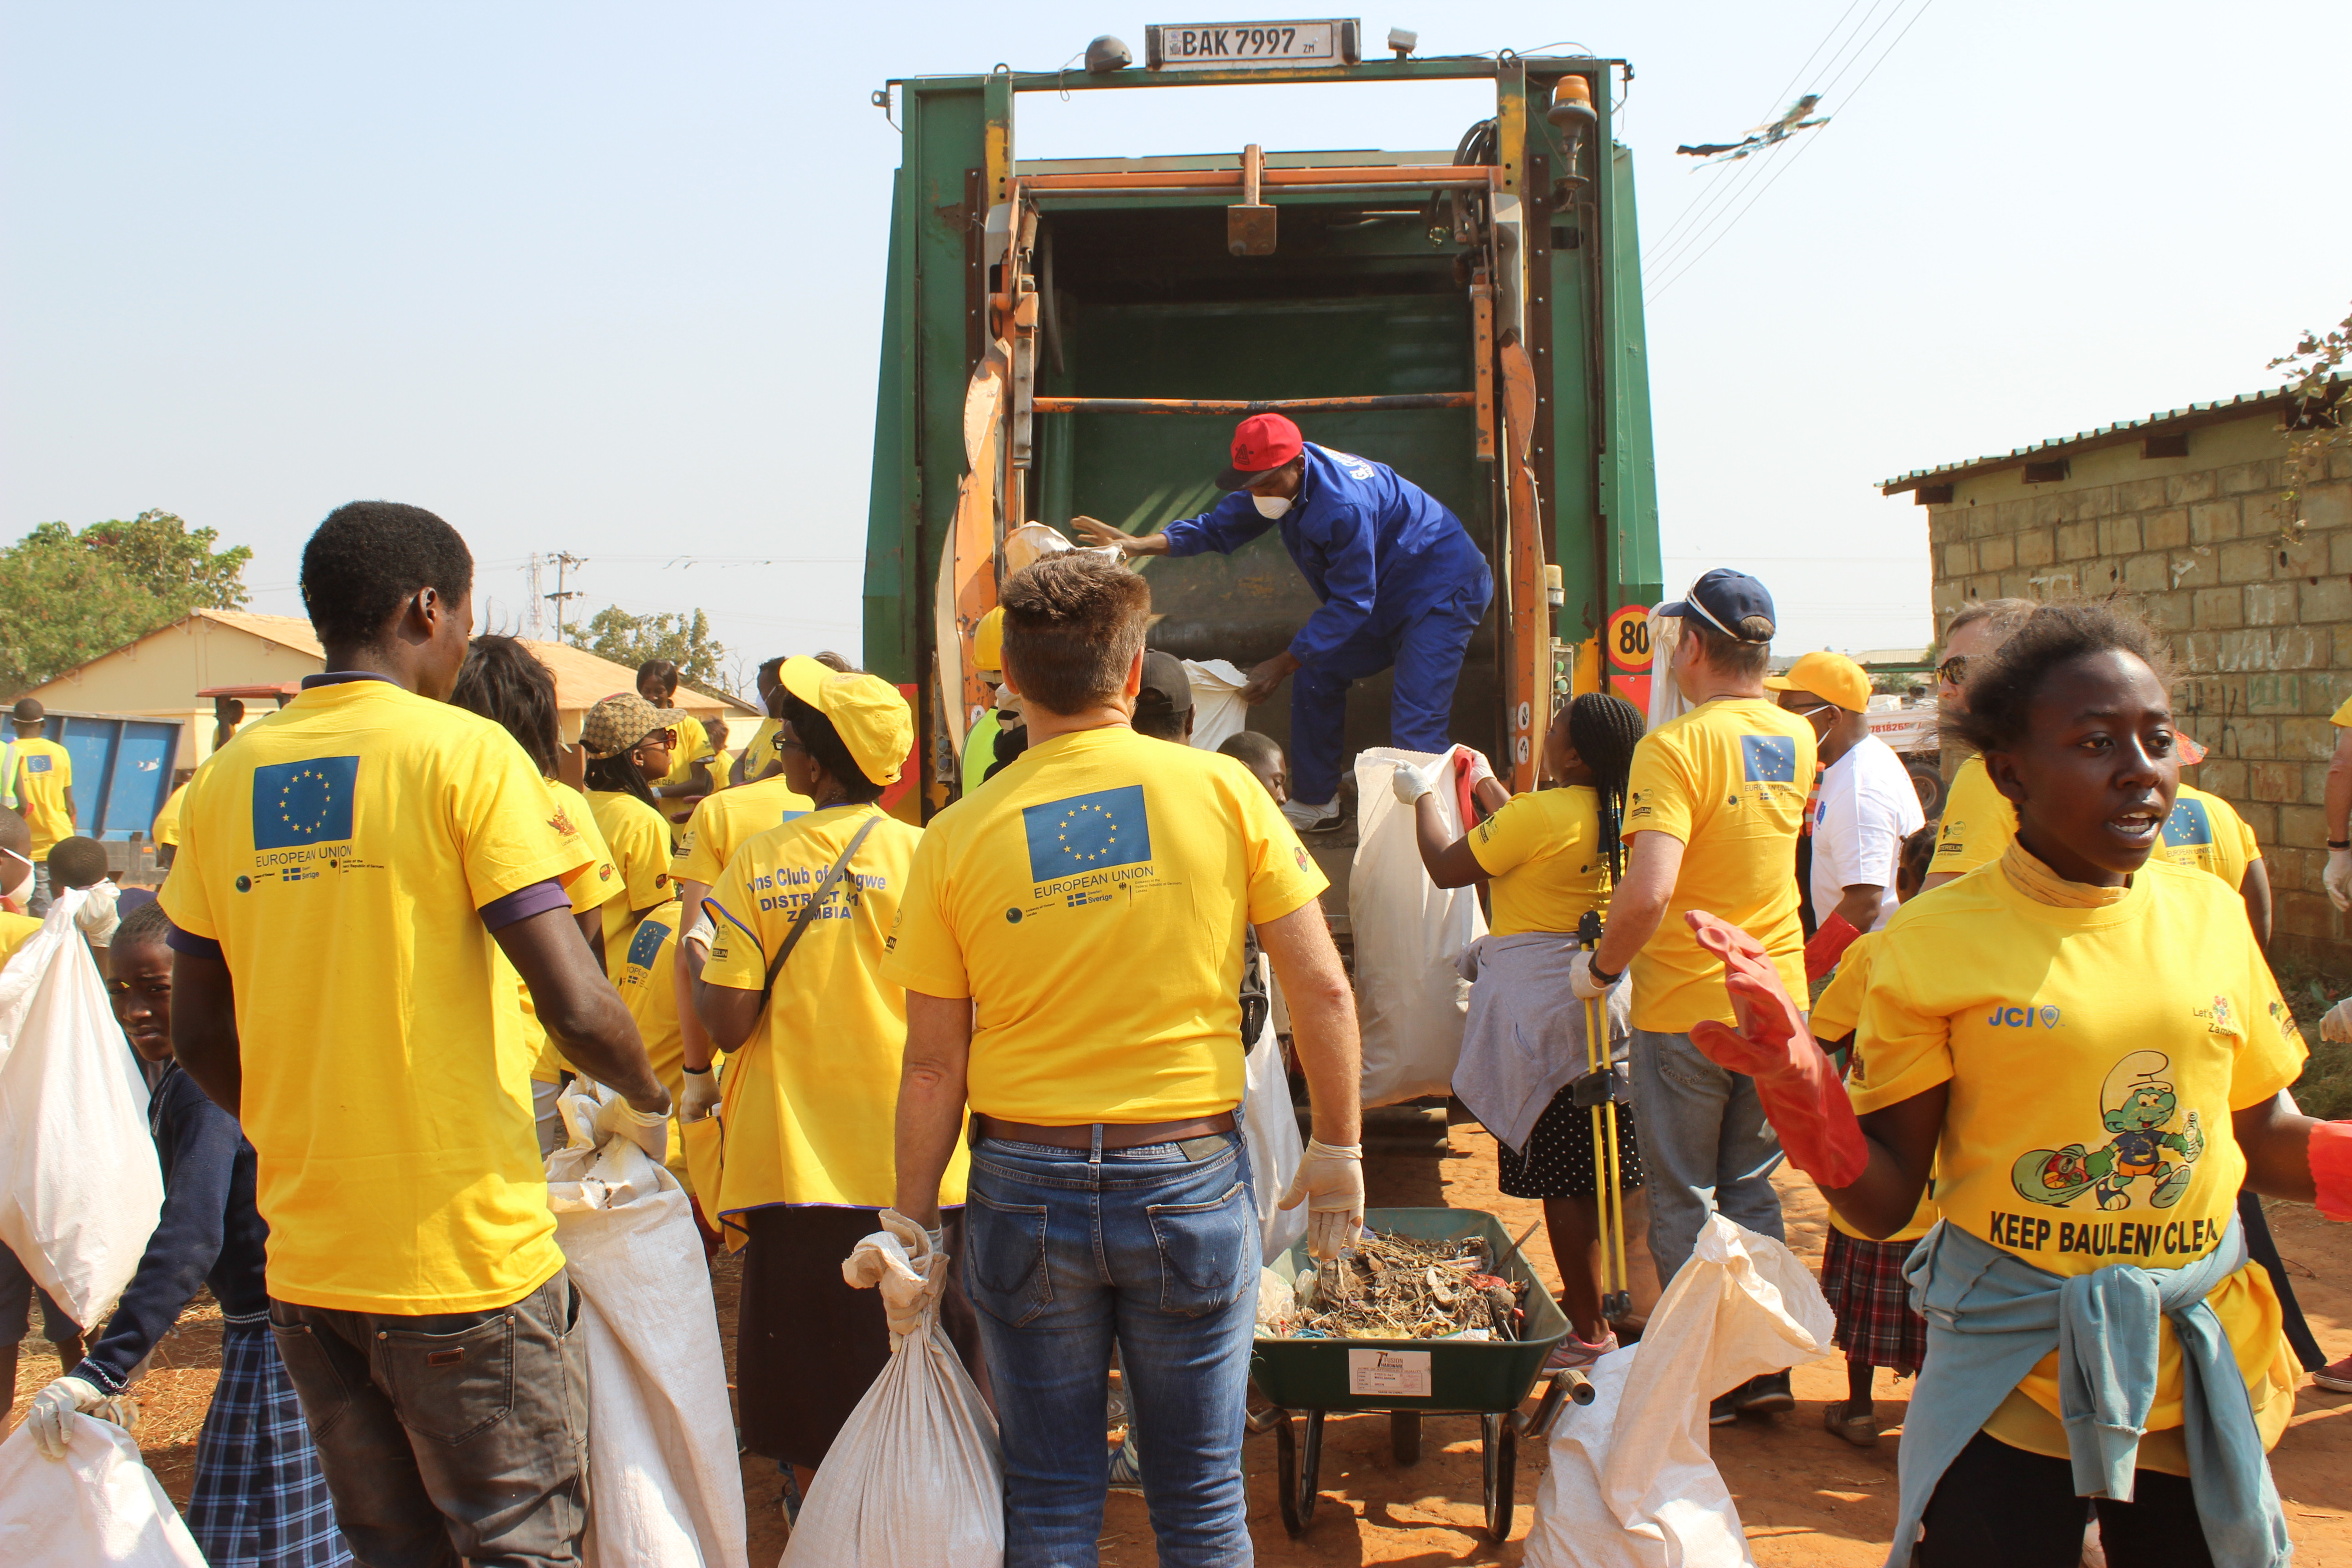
[1270, 1130]
[664, 1484]
[1218, 710]
[1631, 1483]
[1410, 934]
[915, 1479]
[80, 1182]
[100, 1504]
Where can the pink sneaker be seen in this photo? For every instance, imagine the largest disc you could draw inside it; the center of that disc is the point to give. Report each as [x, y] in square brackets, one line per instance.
[1579, 1353]
[2335, 1376]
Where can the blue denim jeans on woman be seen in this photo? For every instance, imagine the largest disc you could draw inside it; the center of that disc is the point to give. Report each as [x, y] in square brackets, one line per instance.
[1157, 1248]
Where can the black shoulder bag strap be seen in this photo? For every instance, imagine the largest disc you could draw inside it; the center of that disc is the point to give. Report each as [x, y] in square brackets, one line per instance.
[808, 911]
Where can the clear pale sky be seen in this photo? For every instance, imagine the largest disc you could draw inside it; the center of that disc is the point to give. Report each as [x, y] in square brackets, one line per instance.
[608, 278]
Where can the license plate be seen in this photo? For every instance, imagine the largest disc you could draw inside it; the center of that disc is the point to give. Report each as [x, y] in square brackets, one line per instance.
[1240, 45]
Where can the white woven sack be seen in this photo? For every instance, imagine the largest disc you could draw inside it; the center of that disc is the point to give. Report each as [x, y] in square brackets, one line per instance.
[97, 1505]
[80, 1182]
[1409, 932]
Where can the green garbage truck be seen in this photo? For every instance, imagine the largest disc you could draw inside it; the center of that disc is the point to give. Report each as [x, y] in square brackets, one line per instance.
[1079, 337]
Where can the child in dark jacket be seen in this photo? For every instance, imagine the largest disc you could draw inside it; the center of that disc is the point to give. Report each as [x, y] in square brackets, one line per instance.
[260, 1499]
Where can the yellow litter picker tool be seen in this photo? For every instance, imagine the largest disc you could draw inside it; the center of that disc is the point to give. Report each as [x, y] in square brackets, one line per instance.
[1602, 1089]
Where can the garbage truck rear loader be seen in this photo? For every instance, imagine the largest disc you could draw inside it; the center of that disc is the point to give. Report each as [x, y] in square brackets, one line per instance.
[1080, 336]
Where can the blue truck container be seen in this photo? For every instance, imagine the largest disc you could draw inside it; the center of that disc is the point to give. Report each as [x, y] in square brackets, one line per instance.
[121, 769]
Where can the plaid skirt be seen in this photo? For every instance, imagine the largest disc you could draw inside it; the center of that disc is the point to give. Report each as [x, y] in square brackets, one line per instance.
[260, 1498]
[1864, 1283]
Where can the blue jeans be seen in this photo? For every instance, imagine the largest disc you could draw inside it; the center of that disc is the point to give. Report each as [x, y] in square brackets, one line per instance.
[1705, 1147]
[1155, 1247]
[1426, 645]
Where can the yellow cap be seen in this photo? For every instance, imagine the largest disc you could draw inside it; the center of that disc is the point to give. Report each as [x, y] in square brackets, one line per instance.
[866, 710]
[1832, 677]
[988, 641]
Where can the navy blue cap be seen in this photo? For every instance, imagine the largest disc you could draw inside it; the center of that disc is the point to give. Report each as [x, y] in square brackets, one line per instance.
[1724, 598]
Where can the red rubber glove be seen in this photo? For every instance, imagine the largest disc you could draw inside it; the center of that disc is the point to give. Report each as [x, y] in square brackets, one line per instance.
[1831, 939]
[2331, 1168]
[1797, 1083]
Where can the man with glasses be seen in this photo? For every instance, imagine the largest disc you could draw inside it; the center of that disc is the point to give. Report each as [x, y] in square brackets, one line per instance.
[1867, 805]
[1977, 824]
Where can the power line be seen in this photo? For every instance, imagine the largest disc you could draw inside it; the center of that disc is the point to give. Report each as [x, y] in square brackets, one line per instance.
[1665, 243]
[1791, 163]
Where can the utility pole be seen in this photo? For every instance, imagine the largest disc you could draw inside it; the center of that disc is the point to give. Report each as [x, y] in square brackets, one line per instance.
[535, 616]
[564, 560]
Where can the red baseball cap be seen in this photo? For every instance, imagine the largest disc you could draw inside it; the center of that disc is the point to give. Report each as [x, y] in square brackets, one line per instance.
[1262, 443]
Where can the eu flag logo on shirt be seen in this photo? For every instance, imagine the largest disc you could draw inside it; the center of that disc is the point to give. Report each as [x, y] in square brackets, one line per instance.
[2189, 824]
[1770, 758]
[1087, 833]
[646, 946]
[295, 804]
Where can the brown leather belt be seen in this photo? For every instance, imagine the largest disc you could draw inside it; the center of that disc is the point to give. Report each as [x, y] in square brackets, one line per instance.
[1114, 1134]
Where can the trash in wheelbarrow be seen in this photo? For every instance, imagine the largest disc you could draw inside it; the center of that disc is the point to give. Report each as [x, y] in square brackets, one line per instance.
[1397, 1287]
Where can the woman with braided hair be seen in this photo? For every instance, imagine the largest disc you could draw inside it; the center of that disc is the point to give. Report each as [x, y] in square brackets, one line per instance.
[1550, 858]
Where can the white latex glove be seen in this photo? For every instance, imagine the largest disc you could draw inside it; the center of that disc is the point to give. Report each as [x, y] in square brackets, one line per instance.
[699, 934]
[1330, 1182]
[97, 917]
[647, 1129]
[1480, 768]
[699, 1097]
[54, 1408]
[2337, 1027]
[2338, 879]
[909, 1265]
[1411, 783]
[1582, 981]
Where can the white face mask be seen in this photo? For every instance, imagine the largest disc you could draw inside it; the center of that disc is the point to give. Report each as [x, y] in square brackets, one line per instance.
[1270, 506]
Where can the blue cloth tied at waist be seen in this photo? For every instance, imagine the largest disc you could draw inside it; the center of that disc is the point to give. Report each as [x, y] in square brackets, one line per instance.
[1991, 1317]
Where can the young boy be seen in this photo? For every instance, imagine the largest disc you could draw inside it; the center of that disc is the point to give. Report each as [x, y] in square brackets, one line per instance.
[348, 871]
[43, 787]
[260, 1499]
[1263, 758]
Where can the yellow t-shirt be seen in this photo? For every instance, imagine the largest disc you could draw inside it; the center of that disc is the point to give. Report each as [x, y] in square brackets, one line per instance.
[2095, 1057]
[44, 773]
[338, 853]
[1833, 1016]
[1729, 778]
[648, 986]
[2206, 832]
[166, 826]
[1977, 824]
[597, 883]
[725, 822]
[639, 841]
[812, 1097]
[1543, 851]
[760, 749]
[693, 745]
[16, 931]
[1090, 900]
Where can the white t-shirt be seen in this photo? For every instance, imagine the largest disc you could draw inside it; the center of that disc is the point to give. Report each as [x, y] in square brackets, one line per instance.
[1868, 806]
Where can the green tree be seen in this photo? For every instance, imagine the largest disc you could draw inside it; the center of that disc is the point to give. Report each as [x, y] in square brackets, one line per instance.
[73, 596]
[2316, 428]
[682, 637]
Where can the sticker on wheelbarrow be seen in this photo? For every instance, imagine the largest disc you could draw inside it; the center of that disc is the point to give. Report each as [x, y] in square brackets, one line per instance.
[1401, 1372]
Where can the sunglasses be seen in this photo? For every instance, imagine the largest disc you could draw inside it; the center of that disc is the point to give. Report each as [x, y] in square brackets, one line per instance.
[1954, 671]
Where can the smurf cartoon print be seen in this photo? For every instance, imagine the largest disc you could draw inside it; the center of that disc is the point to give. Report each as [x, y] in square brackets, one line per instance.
[2139, 1110]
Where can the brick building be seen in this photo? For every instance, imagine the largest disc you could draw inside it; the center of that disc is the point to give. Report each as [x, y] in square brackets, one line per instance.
[2182, 514]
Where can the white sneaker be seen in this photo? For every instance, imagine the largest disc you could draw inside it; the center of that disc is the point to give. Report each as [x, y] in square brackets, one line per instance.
[1307, 817]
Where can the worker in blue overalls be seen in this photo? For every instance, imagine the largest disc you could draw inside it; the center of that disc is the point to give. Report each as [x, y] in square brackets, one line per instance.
[1400, 580]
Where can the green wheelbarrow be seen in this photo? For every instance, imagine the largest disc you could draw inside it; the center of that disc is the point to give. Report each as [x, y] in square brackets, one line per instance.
[1412, 1379]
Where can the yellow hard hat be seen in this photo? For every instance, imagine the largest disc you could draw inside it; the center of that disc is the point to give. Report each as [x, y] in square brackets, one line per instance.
[988, 641]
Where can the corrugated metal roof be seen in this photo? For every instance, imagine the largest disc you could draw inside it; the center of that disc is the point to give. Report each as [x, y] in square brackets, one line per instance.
[2244, 403]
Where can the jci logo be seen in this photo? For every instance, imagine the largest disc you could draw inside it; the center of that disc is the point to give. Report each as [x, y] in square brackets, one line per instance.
[2023, 1018]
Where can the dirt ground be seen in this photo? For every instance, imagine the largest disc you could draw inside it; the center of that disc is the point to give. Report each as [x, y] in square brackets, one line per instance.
[1806, 1497]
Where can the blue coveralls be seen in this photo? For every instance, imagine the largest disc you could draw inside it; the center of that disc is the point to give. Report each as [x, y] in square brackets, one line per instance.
[1400, 583]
